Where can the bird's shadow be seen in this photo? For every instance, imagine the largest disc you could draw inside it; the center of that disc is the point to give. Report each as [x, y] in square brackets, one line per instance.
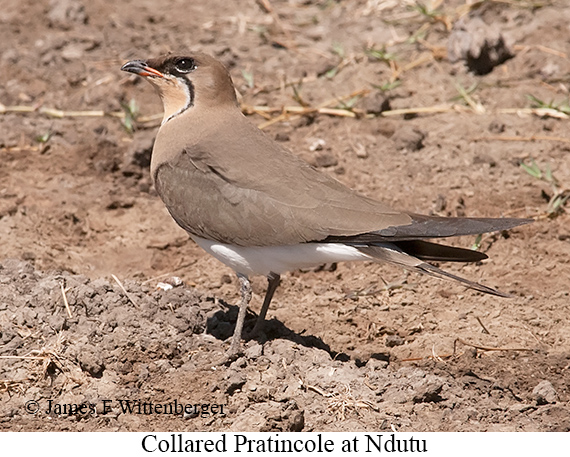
[221, 325]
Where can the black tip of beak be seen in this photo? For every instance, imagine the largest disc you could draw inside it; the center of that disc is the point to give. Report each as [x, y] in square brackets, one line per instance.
[134, 66]
[140, 67]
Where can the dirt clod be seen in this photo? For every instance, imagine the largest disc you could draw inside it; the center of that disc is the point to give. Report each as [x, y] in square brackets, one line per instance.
[409, 138]
[544, 393]
[480, 46]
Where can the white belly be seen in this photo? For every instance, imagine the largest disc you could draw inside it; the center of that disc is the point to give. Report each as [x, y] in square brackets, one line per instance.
[261, 260]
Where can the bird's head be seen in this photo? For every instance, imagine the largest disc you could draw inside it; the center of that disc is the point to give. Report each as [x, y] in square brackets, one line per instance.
[185, 82]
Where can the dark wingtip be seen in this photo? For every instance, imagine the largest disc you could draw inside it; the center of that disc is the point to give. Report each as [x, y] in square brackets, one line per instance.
[425, 250]
[512, 222]
[441, 227]
[442, 274]
[424, 227]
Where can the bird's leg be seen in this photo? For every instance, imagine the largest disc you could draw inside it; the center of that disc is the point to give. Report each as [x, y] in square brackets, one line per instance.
[273, 280]
[245, 291]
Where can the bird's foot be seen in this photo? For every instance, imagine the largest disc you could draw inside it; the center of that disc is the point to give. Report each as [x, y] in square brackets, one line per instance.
[233, 353]
[230, 356]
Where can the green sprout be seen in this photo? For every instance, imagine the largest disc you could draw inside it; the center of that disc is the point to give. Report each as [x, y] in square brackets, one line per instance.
[248, 76]
[389, 85]
[559, 196]
[477, 243]
[426, 10]
[350, 103]
[44, 138]
[380, 54]
[131, 111]
[338, 49]
[562, 107]
[465, 95]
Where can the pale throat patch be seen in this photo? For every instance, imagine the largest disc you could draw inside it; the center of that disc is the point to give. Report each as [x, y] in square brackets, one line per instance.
[176, 98]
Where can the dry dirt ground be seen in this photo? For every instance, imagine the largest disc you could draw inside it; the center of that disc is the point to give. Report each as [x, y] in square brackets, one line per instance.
[349, 347]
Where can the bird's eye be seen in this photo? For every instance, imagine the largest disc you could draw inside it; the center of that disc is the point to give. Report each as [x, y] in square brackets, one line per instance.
[185, 65]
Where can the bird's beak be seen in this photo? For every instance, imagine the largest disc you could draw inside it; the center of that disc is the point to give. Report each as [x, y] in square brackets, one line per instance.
[139, 67]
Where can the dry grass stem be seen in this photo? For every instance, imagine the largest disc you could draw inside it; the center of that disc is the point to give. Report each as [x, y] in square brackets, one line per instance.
[538, 340]
[442, 357]
[540, 112]
[60, 114]
[426, 58]
[20, 148]
[52, 112]
[9, 385]
[522, 138]
[22, 357]
[63, 291]
[487, 348]
[367, 384]
[419, 110]
[434, 354]
[294, 112]
[50, 355]
[341, 402]
[482, 326]
[542, 48]
[130, 298]
[266, 6]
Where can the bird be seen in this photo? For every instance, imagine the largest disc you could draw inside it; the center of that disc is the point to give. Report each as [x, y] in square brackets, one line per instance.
[260, 209]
